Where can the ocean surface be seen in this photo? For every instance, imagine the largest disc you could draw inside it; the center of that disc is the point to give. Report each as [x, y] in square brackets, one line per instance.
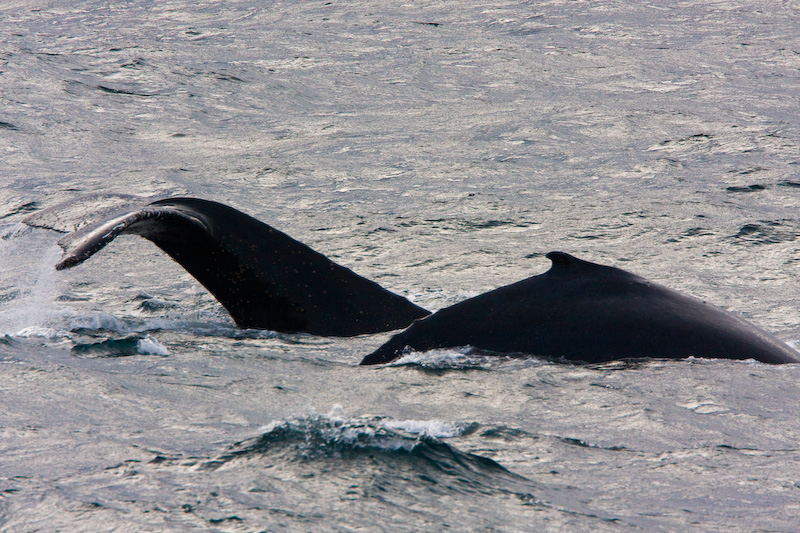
[440, 149]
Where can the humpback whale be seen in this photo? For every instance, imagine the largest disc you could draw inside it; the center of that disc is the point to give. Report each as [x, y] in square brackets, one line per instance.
[577, 311]
[582, 311]
[262, 277]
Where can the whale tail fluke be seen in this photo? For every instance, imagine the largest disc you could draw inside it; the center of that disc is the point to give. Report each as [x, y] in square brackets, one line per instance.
[263, 278]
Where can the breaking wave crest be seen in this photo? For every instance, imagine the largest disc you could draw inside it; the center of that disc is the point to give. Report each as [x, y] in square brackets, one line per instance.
[382, 456]
[455, 359]
[130, 345]
[333, 436]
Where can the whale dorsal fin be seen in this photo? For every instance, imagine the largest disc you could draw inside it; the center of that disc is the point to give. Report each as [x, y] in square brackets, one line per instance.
[563, 262]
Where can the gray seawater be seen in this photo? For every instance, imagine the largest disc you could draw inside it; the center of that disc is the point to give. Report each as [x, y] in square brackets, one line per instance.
[441, 149]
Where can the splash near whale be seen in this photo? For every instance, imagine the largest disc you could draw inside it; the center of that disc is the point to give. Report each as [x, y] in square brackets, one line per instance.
[577, 311]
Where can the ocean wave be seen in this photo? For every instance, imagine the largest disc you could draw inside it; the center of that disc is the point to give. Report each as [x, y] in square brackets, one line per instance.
[442, 360]
[430, 428]
[335, 436]
[37, 331]
[322, 469]
[97, 323]
[127, 346]
[383, 456]
[464, 358]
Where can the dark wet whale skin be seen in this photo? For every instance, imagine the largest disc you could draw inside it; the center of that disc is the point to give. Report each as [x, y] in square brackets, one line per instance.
[582, 311]
[576, 311]
[263, 278]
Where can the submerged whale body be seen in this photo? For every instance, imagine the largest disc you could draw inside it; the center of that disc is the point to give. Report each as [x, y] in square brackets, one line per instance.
[577, 311]
[582, 311]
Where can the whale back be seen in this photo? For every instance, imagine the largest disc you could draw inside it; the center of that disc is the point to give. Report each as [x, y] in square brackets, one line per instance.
[582, 311]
